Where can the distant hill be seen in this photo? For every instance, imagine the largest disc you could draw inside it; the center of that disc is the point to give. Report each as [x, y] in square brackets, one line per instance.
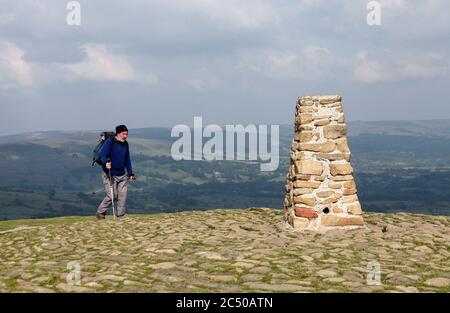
[423, 128]
[399, 165]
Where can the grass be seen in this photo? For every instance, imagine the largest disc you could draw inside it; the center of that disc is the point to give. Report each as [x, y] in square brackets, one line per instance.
[207, 225]
[6, 225]
[53, 280]
[11, 284]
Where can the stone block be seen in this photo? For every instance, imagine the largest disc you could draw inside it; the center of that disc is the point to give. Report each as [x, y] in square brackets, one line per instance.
[305, 101]
[349, 184]
[325, 194]
[327, 116]
[334, 185]
[306, 109]
[306, 184]
[331, 200]
[317, 147]
[302, 191]
[309, 167]
[328, 99]
[304, 118]
[341, 169]
[321, 122]
[304, 136]
[337, 220]
[333, 156]
[301, 177]
[349, 199]
[348, 192]
[300, 222]
[309, 201]
[305, 212]
[335, 131]
[341, 177]
[342, 145]
[304, 128]
[354, 208]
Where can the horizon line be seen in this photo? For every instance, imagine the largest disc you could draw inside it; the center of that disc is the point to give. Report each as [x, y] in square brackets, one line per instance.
[168, 127]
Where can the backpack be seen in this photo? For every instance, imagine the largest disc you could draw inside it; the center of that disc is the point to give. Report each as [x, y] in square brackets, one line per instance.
[96, 158]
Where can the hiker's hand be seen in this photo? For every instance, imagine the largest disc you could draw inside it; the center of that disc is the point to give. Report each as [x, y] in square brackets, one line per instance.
[131, 177]
[108, 165]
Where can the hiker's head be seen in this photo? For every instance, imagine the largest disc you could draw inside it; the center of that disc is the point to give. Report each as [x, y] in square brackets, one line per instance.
[122, 132]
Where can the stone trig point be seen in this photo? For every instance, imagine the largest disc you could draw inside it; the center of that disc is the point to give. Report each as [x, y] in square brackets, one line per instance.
[320, 188]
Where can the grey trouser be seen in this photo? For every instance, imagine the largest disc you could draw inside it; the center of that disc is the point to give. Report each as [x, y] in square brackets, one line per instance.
[120, 186]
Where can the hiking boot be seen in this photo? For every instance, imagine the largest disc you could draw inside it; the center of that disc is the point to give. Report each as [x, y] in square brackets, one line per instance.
[100, 216]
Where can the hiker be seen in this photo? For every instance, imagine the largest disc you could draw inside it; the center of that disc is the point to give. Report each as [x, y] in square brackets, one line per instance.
[115, 158]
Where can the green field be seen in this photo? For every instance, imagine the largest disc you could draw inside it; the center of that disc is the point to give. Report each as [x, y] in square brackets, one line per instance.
[403, 168]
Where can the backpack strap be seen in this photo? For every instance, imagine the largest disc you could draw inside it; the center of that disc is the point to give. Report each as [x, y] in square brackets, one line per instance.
[110, 149]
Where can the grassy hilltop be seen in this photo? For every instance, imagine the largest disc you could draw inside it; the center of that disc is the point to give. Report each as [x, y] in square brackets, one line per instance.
[241, 250]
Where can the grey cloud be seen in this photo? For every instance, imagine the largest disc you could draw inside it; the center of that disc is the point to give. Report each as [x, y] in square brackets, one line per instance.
[229, 61]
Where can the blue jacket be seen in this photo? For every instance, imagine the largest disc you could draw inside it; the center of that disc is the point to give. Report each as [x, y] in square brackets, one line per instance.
[119, 154]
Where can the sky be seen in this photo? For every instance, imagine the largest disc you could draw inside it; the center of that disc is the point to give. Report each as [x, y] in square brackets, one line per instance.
[159, 63]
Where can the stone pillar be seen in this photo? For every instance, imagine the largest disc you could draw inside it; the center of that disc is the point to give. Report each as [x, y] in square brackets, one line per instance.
[320, 189]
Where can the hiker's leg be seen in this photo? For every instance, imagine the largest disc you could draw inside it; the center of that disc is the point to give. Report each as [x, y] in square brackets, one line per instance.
[106, 203]
[122, 189]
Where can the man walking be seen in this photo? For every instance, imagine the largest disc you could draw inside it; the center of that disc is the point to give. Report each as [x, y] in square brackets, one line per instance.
[115, 157]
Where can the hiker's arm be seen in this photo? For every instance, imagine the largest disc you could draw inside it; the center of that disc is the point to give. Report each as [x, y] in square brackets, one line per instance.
[106, 151]
[128, 163]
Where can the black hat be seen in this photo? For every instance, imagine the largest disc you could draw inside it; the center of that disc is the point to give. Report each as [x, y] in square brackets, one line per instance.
[121, 129]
